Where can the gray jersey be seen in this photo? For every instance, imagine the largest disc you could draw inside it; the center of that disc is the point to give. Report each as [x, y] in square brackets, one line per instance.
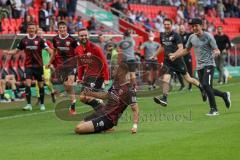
[150, 48]
[127, 47]
[203, 49]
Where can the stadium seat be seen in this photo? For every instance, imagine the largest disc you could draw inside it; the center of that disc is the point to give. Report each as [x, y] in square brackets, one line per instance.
[232, 21]
[152, 11]
[13, 21]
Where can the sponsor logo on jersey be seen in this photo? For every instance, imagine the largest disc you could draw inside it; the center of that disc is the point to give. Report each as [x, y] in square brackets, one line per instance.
[32, 47]
[68, 43]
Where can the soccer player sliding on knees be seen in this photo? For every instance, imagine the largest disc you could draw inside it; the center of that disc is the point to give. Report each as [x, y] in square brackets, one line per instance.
[118, 97]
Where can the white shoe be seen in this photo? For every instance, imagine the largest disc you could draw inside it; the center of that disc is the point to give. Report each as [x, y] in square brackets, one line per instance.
[28, 107]
[42, 107]
[5, 101]
[212, 112]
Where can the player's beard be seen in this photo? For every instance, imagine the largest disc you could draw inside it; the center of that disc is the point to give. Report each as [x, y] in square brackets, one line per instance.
[84, 41]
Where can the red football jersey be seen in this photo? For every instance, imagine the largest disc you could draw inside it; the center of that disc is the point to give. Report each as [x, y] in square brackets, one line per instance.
[91, 61]
[65, 48]
[33, 50]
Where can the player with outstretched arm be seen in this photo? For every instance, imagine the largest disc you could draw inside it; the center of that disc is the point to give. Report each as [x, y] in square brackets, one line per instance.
[32, 46]
[119, 96]
[205, 49]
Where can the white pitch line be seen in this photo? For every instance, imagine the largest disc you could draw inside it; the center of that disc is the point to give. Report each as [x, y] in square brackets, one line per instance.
[51, 111]
[25, 115]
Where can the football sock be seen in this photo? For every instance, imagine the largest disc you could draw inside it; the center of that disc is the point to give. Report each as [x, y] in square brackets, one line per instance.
[28, 94]
[41, 91]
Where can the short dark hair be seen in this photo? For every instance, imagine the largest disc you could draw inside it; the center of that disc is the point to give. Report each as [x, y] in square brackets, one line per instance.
[100, 35]
[82, 29]
[195, 21]
[62, 23]
[31, 24]
[168, 20]
[127, 33]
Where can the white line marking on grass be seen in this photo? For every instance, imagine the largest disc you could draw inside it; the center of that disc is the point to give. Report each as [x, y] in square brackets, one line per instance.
[25, 115]
[51, 111]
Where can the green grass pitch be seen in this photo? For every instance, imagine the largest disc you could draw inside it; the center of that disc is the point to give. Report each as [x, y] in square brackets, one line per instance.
[179, 131]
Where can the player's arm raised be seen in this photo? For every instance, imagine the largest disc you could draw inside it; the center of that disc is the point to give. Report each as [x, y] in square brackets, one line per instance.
[135, 110]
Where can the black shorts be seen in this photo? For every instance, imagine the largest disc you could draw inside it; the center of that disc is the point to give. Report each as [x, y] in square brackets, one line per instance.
[10, 72]
[132, 65]
[95, 83]
[34, 72]
[151, 65]
[100, 122]
[170, 67]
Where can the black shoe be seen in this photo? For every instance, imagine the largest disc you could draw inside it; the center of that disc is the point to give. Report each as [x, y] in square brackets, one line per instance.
[161, 101]
[204, 94]
[150, 88]
[181, 88]
[53, 97]
[213, 112]
[227, 99]
[154, 87]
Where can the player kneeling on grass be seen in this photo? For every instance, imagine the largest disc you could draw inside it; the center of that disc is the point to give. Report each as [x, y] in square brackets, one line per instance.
[118, 97]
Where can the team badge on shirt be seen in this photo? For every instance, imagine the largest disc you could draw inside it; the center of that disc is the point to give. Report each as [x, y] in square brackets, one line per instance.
[68, 43]
[36, 42]
[89, 54]
[171, 38]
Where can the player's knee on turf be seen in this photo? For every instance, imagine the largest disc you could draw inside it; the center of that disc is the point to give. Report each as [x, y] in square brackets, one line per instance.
[84, 127]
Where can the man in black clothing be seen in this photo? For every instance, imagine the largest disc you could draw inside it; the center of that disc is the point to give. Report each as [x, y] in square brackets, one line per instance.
[171, 43]
[116, 6]
[187, 58]
[223, 44]
[44, 18]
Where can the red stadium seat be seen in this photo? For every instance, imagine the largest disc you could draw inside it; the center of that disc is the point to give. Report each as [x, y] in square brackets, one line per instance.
[13, 21]
[152, 11]
[232, 21]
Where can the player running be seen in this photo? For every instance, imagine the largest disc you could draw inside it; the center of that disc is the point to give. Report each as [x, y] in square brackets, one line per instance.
[32, 46]
[206, 49]
[63, 59]
[187, 58]
[118, 97]
[171, 43]
[93, 67]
